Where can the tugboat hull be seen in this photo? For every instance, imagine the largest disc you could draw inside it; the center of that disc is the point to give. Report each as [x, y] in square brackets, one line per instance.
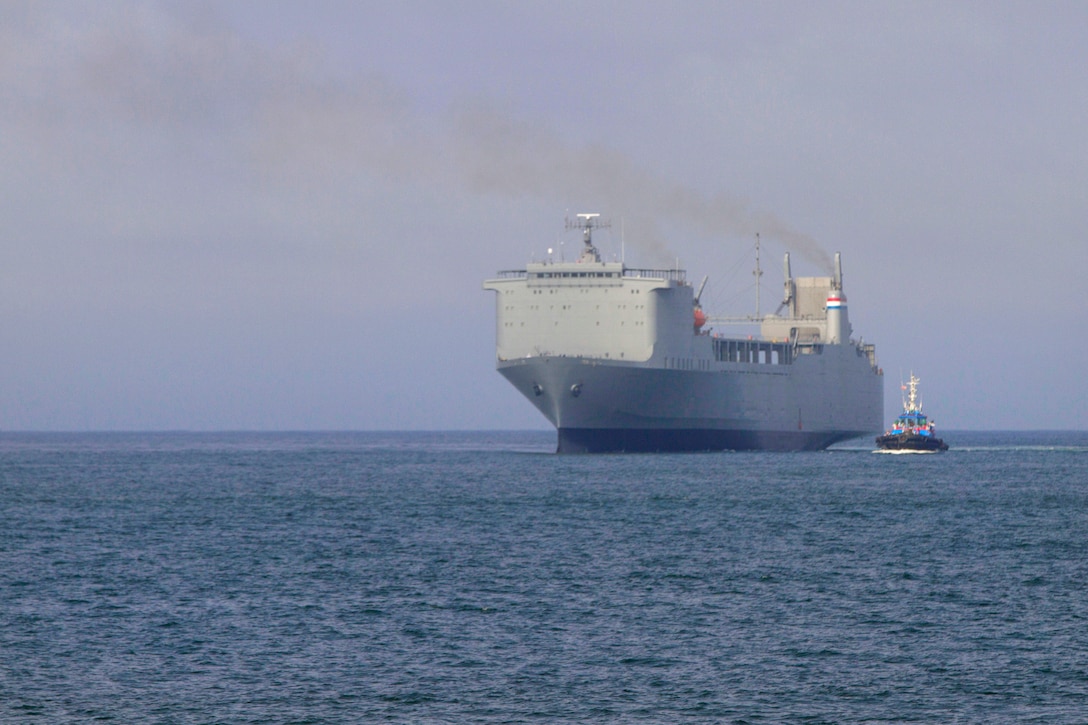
[911, 443]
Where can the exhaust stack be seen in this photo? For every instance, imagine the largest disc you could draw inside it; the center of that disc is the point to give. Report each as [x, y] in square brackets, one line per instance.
[838, 321]
[788, 292]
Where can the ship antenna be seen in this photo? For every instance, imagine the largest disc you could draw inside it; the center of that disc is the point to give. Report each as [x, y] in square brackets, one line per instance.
[758, 273]
[623, 242]
[910, 402]
[587, 223]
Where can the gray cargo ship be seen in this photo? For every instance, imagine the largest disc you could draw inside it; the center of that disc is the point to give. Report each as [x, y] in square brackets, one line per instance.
[622, 359]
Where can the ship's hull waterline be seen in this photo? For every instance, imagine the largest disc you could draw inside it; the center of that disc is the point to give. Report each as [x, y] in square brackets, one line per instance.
[663, 440]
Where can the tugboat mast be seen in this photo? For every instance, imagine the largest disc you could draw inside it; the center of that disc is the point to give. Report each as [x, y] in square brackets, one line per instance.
[911, 404]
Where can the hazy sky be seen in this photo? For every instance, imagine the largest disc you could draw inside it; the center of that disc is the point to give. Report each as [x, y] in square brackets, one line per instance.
[278, 215]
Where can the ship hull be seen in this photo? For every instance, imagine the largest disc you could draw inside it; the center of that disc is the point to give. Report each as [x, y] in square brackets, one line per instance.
[681, 440]
[905, 442]
[600, 406]
[618, 360]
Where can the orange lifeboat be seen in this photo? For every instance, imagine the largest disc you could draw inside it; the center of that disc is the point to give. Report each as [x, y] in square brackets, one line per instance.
[700, 318]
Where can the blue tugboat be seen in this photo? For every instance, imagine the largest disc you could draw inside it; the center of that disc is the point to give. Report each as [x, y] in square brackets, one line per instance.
[912, 432]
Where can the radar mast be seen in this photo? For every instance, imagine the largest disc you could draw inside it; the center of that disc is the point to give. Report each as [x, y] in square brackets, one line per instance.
[587, 223]
[912, 404]
[758, 274]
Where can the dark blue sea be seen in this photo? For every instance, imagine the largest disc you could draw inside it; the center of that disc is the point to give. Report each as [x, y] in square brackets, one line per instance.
[480, 578]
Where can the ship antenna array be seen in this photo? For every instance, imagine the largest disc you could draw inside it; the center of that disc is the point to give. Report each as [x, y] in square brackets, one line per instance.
[758, 274]
[587, 223]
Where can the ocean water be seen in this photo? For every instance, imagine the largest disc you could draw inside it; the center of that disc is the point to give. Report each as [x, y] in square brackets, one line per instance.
[478, 577]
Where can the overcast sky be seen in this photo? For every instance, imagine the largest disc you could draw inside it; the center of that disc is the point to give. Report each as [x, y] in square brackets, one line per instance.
[278, 215]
